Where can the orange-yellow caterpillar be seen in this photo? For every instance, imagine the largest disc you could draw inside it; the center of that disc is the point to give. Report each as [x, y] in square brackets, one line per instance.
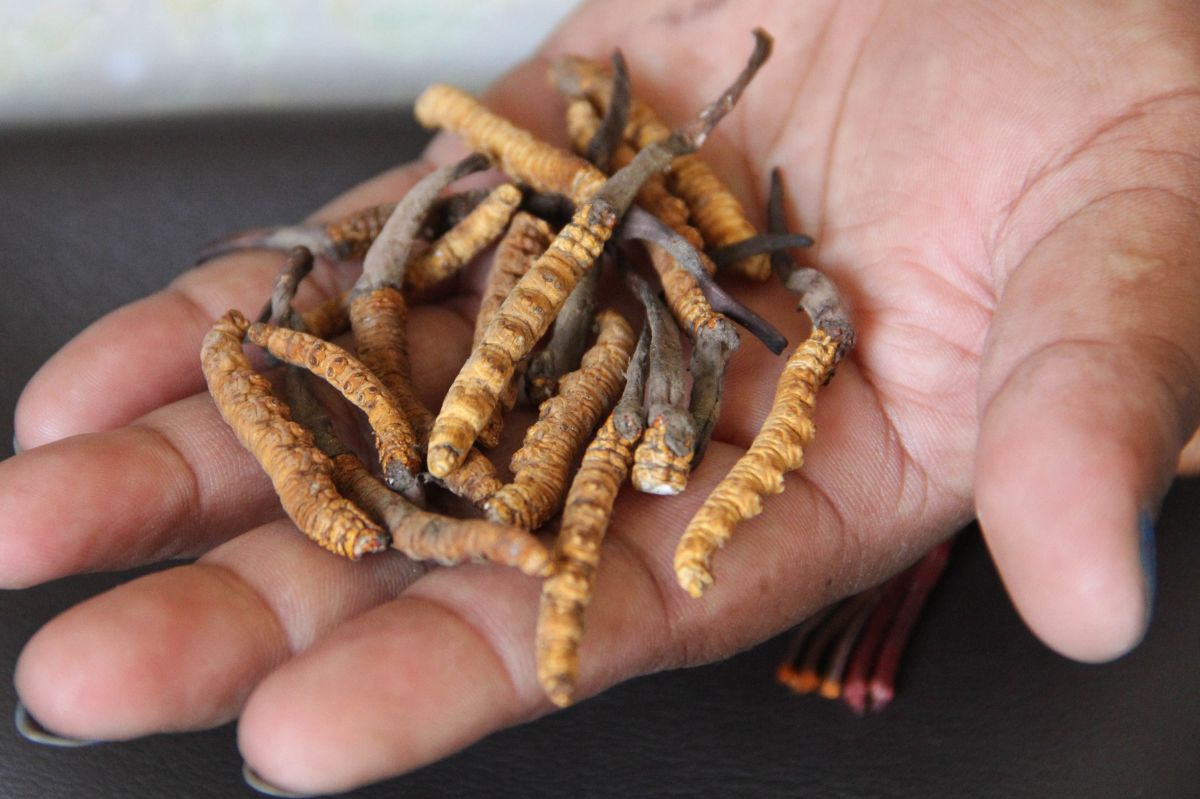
[777, 449]
[542, 465]
[301, 474]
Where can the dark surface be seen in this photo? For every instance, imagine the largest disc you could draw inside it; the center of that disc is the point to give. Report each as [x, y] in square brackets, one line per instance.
[91, 219]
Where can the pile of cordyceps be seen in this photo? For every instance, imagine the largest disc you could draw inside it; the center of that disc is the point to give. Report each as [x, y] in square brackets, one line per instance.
[634, 200]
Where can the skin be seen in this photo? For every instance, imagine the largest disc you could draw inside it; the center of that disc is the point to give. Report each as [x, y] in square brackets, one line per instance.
[1006, 194]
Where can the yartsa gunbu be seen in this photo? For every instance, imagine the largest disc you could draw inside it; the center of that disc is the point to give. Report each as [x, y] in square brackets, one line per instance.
[616, 398]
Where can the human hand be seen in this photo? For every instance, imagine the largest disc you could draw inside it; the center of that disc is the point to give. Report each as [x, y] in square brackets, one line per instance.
[279, 622]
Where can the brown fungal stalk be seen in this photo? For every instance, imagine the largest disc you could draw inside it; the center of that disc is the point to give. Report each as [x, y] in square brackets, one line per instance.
[541, 467]
[301, 474]
[567, 340]
[347, 238]
[819, 297]
[663, 459]
[423, 535]
[586, 514]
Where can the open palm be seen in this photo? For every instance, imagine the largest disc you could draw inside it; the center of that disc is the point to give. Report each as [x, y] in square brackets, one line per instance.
[1006, 194]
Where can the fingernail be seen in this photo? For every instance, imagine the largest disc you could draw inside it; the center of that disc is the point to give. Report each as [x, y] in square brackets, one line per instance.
[1148, 552]
[16, 445]
[267, 789]
[32, 730]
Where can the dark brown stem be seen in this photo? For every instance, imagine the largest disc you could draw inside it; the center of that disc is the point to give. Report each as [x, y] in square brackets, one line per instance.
[819, 297]
[761, 244]
[644, 226]
[710, 356]
[665, 383]
[619, 190]
[387, 259]
[557, 209]
[278, 310]
[629, 414]
[610, 134]
[345, 239]
[568, 339]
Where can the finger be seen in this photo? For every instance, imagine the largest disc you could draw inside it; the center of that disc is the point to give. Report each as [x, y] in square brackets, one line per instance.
[1189, 458]
[181, 649]
[88, 386]
[175, 483]
[452, 660]
[1090, 388]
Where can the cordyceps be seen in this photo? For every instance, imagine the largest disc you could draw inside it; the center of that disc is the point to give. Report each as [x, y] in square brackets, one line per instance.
[637, 204]
[541, 466]
[779, 446]
[526, 314]
[301, 474]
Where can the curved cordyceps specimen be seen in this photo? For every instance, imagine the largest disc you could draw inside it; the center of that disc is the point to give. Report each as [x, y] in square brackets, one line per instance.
[379, 319]
[422, 535]
[586, 516]
[663, 460]
[417, 533]
[541, 467]
[518, 324]
[777, 449]
[513, 150]
[523, 243]
[455, 248]
[379, 314]
[301, 474]
[345, 239]
[567, 340]
[568, 591]
[394, 438]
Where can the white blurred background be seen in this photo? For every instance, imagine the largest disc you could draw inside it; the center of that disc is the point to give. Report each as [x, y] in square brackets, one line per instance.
[73, 60]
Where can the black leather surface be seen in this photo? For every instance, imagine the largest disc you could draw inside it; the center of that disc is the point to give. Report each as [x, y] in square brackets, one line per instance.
[93, 218]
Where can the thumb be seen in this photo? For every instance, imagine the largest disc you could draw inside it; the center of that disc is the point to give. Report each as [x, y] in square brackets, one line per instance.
[1089, 390]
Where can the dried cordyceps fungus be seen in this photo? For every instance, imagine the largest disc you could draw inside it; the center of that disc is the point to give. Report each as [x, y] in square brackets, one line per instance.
[634, 212]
